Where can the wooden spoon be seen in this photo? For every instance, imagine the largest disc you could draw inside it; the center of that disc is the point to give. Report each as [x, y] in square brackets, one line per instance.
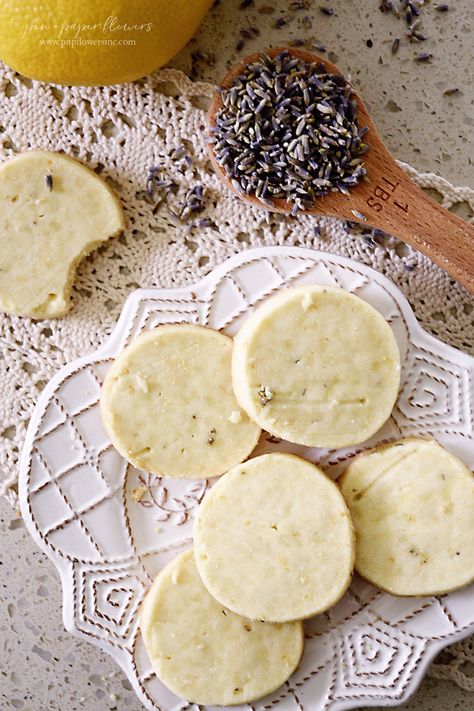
[389, 199]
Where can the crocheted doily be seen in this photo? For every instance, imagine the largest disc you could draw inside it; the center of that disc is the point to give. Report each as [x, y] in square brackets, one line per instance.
[159, 122]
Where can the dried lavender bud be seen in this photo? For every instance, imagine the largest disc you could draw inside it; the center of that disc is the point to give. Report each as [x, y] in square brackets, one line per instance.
[359, 215]
[245, 3]
[442, 7]
[49, 181]
[369, 240]
[389, 6]
[424, 57]
[158, 186]
[419, 36]
[287, 130]
[298, 42]
[451, 91]
[326, 10]
[197, 55]
[320, 46]
[193, 203]
[240, 45]
[395, 45]
[414, 34]
[300, 4]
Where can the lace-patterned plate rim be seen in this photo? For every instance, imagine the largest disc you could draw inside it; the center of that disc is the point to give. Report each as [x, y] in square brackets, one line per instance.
[208, 302]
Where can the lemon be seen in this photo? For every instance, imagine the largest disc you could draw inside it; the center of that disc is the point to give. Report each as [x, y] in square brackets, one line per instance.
[94, 42]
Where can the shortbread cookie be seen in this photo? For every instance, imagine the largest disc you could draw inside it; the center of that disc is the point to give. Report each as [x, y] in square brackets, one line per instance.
[53, 212]
[204, 652]
[274, 540]
[412, 504]
[317, 366]
[168, 405]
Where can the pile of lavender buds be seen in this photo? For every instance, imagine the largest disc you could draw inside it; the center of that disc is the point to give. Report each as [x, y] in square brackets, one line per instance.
[287, 130]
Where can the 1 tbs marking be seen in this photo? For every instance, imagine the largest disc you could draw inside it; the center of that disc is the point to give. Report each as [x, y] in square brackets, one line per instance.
[383, 194]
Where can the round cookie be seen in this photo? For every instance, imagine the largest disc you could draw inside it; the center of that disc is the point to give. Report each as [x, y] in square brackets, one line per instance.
[318, 366]
[168, 405]
[274, 540]
[412, 503]
[204, 652]
[53, 212]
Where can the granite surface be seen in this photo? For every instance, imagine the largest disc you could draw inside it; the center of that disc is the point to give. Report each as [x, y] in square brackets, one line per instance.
[42, 667]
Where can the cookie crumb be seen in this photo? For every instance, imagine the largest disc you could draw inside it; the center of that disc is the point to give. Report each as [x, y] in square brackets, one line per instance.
[141, 382]
[138, 493]
[306, 301]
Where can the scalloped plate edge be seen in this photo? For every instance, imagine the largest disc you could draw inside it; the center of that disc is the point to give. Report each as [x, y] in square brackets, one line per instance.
[129, 309]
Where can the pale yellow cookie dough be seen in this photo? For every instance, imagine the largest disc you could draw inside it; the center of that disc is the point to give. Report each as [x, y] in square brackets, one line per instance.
[412, 503]
[168, 405]
[204, 652]
[53, 212]
[274, 540]
[317, 366]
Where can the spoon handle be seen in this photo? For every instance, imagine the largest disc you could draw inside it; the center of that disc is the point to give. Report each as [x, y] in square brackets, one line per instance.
[394, 203]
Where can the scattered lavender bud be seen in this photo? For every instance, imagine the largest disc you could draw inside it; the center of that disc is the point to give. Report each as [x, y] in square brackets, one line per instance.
[419, 36]
[389, 6]
[158, 186]
[193, 202]
[320, 46]
[370, 242]
[326, 10]
[298, 42]
[442, 7]
[300, 5]
[395, 45]
[49, 181]
[423, 57]
[245, 3]
[451, 91]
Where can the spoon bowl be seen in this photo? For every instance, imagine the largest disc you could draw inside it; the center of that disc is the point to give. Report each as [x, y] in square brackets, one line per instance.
[385, 198]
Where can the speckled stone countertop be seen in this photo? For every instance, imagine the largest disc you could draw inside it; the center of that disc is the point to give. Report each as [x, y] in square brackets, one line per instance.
[42, 667]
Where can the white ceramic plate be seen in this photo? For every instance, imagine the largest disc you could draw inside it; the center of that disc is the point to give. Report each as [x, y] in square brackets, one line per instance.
[79, 497]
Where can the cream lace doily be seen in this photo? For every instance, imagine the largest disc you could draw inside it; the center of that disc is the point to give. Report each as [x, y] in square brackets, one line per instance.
[159, 123]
